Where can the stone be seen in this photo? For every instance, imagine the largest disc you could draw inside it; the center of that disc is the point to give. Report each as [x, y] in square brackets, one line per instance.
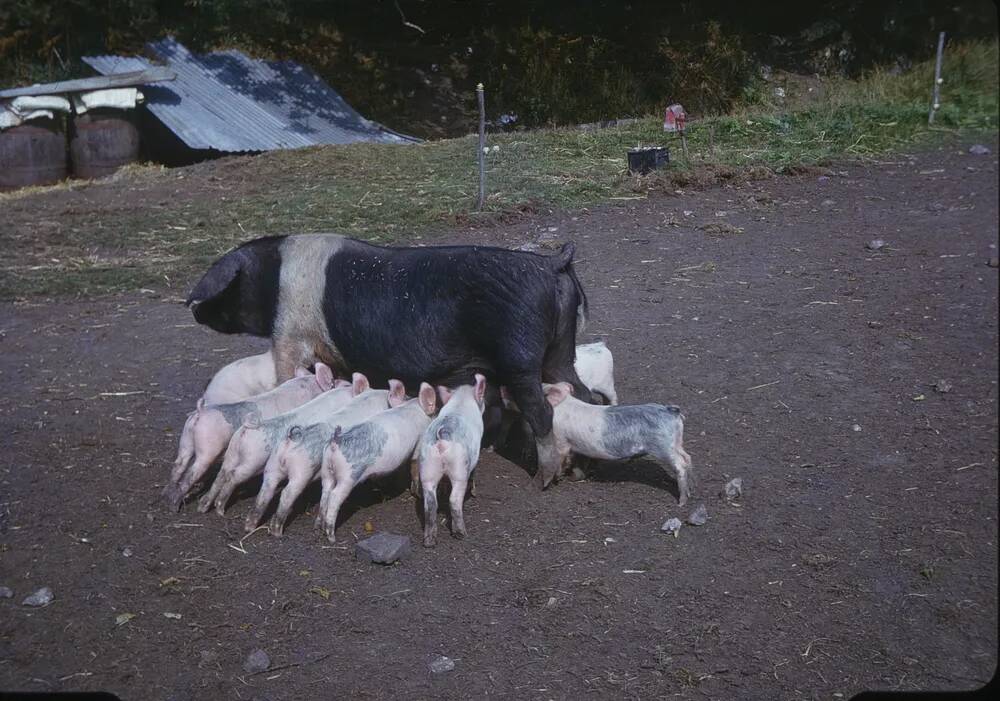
[6, 593]
[382, 548]
[699, 516]
[671, 525]
[993, 262]
[979, 150]
[42, 597]
[942, 386]
[875, 244]
[441, 664]
[734, 488]
[257, 661]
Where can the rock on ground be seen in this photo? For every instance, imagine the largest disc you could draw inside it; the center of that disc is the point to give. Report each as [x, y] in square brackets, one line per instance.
[442, 664]
[699, 516]
[42, 597]
[257, 661]
[671, 525]
[383, 548]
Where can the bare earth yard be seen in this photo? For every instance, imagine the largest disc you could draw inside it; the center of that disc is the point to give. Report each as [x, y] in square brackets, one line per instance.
[862, 555]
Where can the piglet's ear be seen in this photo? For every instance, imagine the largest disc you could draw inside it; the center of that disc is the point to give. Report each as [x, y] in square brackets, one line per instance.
[397, 393]
[428, 399]
[557, 393]
[324, 376]
[480, 389]
[302, 372]
[340, 384]
[359, 382]
[444, 393]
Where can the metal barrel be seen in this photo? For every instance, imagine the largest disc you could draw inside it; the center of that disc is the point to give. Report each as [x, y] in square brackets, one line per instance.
[102, 141]
[33, 154]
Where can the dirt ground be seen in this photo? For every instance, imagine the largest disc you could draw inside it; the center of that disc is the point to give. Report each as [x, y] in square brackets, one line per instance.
[862, 555]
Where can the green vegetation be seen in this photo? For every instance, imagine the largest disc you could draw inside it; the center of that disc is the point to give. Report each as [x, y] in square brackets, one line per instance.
[152, 227]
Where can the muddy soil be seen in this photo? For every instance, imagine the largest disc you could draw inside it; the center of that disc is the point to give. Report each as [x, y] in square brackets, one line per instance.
[862, 555]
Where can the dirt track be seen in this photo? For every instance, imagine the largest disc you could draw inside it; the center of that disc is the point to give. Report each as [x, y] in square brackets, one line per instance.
[863, 554]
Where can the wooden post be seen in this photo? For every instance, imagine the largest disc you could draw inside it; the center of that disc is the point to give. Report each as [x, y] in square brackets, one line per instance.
[936, 99]
[482, 146]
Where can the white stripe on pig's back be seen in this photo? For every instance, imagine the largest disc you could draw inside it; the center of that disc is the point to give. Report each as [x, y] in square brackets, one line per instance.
[301, 286]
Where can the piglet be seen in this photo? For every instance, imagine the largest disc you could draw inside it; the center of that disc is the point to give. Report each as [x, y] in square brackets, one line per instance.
[596, 367]
[614, 433]
[376, 447]
[299, 454]
[243, 378]
[209, 427]
[253, 442]
[450, 446]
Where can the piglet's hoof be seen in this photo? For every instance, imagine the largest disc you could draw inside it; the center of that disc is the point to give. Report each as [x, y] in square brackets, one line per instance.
[173, 499]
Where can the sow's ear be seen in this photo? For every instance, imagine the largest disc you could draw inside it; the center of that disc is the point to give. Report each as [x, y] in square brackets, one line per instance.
[239, 293]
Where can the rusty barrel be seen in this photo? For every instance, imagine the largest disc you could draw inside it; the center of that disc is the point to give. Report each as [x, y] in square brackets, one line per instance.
[33, 154]
[103, 140]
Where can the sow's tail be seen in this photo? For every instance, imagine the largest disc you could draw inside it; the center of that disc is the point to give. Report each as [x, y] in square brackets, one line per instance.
[563, 261]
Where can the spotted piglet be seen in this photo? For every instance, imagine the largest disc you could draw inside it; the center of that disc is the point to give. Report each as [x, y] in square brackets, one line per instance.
[253, 443]
[376, 447]
[208, 428]
[298, 456]
[614, 433]
[450, 446]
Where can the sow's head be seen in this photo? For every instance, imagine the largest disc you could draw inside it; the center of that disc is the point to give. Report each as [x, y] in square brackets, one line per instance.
[239, 293]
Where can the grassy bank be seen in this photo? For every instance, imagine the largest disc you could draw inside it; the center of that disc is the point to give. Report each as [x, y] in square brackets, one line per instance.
[158, 228]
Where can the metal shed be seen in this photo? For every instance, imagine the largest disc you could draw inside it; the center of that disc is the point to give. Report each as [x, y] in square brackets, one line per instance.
[227, 102]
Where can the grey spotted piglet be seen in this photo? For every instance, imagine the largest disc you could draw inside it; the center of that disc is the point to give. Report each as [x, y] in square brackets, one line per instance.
[209, 427]
[376, 447]
[450, 446]
[615, 433]
[299, 455]
[242, 379]
[253, 443]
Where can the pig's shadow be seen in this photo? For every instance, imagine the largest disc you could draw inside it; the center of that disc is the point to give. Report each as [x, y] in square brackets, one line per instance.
[370, 492]
[519, 448]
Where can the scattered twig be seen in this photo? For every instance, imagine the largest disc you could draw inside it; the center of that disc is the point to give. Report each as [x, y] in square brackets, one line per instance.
[766, 384]
[411, 25]
[292, 664]
[966, 467]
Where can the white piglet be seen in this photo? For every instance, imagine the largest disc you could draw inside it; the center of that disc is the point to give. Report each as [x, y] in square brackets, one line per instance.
[299, 454]
[450, 446]
[615, 433]
[241, 379]
[376, 447]
[253, 443]
[209, 427]
[596, 368]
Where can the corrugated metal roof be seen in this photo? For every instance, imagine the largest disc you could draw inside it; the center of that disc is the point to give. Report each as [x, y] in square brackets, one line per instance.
[151, 74]
[229, 102]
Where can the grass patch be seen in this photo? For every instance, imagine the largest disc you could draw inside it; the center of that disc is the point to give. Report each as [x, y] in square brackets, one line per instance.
[157, 228]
